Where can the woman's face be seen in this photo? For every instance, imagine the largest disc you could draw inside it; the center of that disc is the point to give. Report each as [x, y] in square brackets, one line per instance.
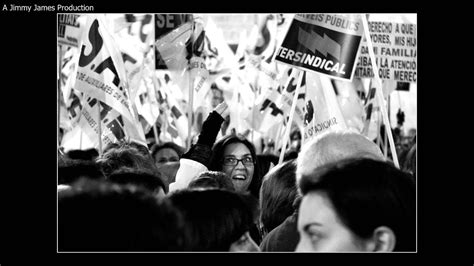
[245, 243]
[166, 155]
[320, 228]
[240, 172]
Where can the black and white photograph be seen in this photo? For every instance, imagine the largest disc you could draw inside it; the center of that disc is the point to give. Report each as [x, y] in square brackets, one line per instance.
[202, 132]
[236, 132]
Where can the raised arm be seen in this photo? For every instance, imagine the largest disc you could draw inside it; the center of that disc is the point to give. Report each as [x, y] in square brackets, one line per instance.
[197, 158]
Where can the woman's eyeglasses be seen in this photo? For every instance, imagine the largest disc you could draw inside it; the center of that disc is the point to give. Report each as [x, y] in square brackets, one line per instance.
[232, 161]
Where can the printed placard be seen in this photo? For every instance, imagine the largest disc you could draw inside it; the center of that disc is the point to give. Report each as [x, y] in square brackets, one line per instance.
[394, 49]
[69, 30]
[323, 43]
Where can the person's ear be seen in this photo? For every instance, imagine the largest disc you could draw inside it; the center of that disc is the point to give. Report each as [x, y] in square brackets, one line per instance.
[383, 240]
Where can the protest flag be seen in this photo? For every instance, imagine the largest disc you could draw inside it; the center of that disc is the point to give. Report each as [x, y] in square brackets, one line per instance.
[171, 52]
[322, 109]
[284, 101]
[350, 103]
[292, 111]
[75, 139]
[266, 113]
[101, 75]
[172, 118]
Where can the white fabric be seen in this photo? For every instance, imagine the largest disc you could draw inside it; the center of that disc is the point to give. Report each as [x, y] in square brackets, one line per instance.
[188, 169]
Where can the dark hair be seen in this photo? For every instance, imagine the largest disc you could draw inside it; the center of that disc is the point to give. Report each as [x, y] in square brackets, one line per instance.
[212, 179]
[367, 194]
[290, 155]
[108, 217]
[278, 193]
[215, 218]
[88, 155]
[170, 145]
[217, 156]
[142, 149]
[265, 161]
[139, 177]
[70, 171]
[126, 155]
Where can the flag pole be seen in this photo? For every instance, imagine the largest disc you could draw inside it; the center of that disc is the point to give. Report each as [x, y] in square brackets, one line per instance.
[156, 87]
[257, 77]
[255, 92]
[378, 92]
[385, 150]
[365, 130]
[100, 128]
[80, 139]
[385, 135]
[378, 129]
[155, 83]
[292, 112]
[155, 132]
[191, 89]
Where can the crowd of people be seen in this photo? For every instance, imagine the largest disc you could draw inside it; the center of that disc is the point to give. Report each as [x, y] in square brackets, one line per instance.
[335, 193]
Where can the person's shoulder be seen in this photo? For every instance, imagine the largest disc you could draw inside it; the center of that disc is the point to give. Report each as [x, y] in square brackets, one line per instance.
[284, 237]
[289, 224]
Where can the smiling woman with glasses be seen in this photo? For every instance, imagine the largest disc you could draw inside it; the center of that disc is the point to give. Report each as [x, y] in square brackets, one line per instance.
[232, 154]
[235, 156]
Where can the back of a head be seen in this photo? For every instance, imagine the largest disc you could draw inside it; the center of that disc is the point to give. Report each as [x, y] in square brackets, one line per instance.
[142, 149]
[215, 218]
[88, 155]
[170, 145]
[277, 194]
[70, 171]
[152, 181]
[111, 217]
[212, 179]
[139, 147]
[125, 155]
[266, 162]
[367, 194]
[333, 146]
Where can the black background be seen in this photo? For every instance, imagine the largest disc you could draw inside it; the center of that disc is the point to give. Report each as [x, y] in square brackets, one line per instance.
[29, 167]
